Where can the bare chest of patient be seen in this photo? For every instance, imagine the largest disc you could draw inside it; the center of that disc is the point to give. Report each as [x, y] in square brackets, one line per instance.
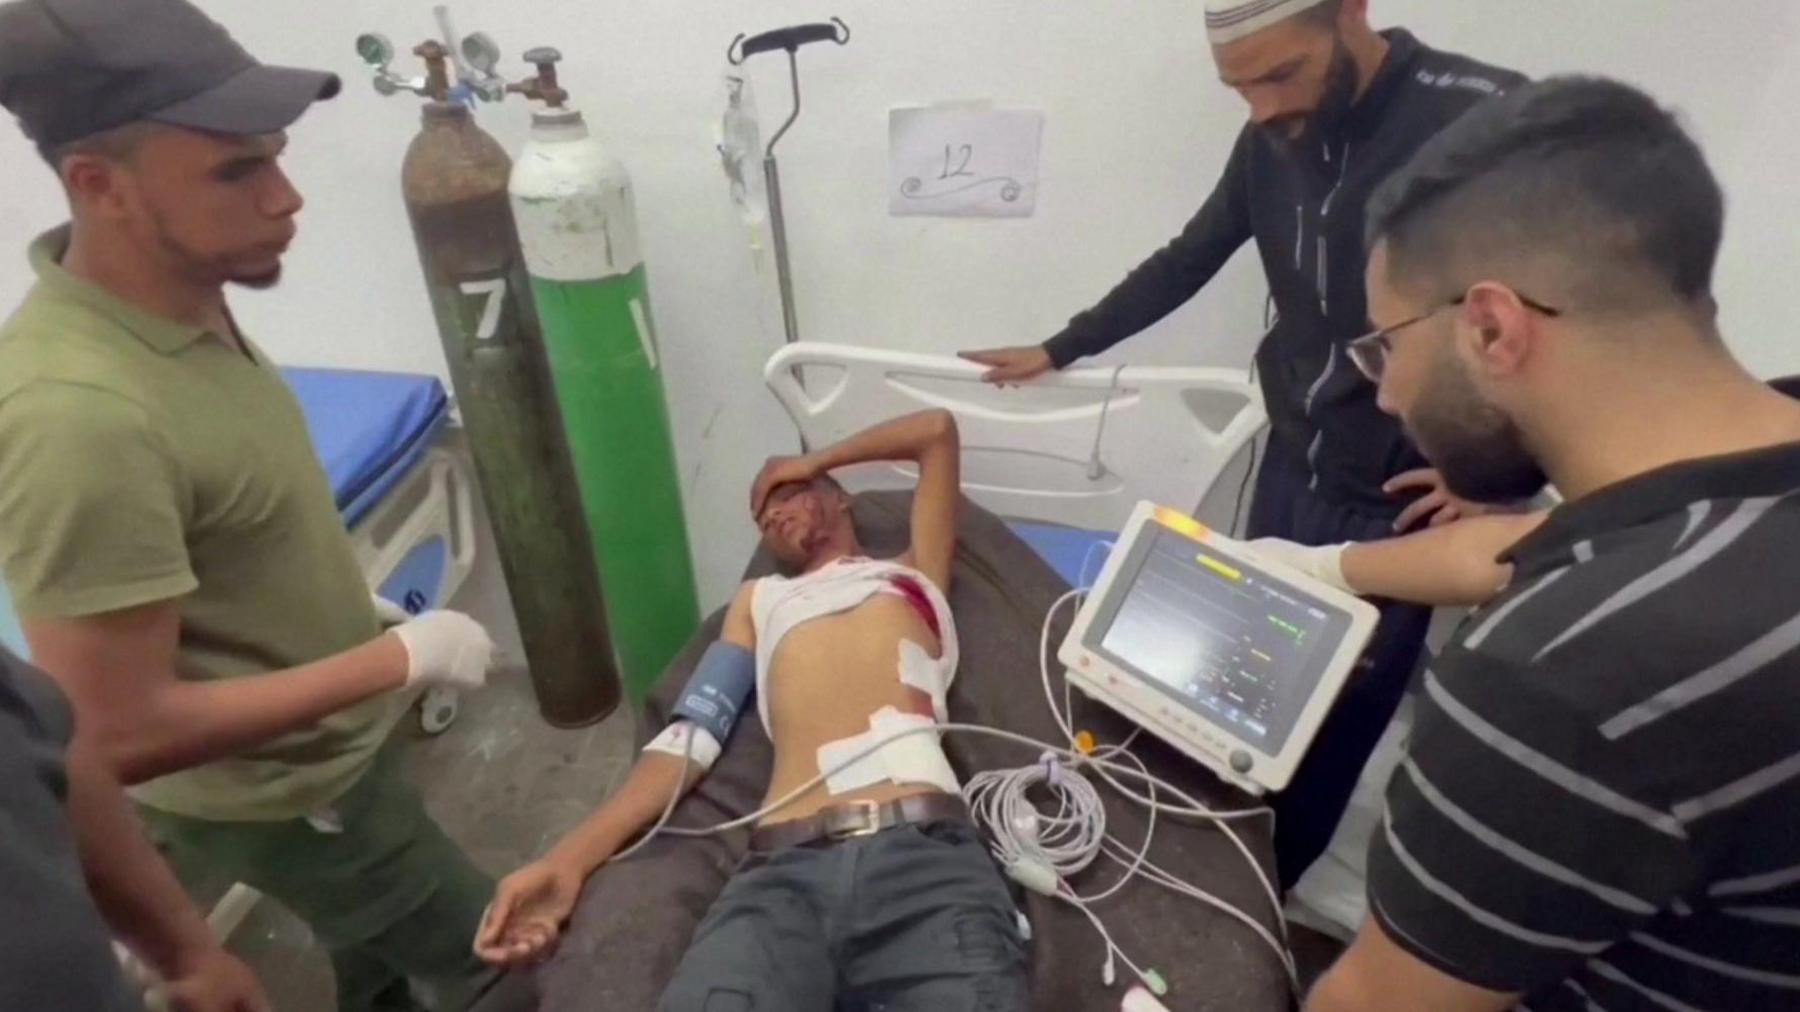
[830, 673]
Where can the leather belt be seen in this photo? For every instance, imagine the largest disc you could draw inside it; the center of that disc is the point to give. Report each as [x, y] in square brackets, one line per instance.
[860, 818]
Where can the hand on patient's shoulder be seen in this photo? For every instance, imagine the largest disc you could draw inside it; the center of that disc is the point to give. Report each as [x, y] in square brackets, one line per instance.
[530, 906]
[445, 648]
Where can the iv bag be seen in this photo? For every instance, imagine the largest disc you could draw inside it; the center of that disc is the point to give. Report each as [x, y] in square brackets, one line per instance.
[739, 141]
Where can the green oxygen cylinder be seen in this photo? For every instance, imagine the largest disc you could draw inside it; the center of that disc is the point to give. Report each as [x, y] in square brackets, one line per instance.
[573, 204]
[454, 180]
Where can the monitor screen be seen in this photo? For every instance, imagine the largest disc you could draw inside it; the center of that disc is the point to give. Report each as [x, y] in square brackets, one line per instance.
[1240, 648]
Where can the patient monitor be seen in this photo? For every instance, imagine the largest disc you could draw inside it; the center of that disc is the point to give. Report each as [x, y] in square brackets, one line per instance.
[1229, 657]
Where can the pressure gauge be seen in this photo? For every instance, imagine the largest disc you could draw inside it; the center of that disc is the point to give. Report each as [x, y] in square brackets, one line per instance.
[375, 49]
[480, 52]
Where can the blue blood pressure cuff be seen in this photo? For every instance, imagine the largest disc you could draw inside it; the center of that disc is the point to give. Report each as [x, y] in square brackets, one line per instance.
[715, 696]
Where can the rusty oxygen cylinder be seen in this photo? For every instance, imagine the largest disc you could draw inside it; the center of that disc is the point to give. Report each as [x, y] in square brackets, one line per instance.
[454, 180]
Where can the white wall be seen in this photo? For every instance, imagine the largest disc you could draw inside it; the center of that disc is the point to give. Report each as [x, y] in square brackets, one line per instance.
[1137, 129]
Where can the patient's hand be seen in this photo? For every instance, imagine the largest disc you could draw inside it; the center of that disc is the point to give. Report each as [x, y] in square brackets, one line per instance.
[530, 907]
[779, 471]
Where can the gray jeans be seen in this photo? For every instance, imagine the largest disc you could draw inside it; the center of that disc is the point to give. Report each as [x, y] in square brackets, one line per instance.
[911, 919]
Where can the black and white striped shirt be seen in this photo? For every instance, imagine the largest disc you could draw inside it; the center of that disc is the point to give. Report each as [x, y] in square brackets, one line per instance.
[1600, 807]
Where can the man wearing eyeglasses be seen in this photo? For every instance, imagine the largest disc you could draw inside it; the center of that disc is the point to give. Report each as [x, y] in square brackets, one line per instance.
[1369, 353]
[1335, 107]
[1599, 805]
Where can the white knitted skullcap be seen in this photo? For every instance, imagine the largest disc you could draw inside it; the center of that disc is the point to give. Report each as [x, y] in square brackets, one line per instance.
[1230, 20]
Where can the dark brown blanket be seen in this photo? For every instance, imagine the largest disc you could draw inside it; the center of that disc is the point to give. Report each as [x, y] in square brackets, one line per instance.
[635, 918]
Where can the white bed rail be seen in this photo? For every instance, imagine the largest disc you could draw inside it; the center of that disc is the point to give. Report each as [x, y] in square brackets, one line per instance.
[434, 501]
[1077, 447]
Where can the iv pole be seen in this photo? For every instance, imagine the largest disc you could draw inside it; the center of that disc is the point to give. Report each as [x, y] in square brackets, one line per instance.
[741, 49]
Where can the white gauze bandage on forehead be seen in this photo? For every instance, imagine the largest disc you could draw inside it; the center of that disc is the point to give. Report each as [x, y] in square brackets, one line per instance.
[1231, 20]
[916, 758]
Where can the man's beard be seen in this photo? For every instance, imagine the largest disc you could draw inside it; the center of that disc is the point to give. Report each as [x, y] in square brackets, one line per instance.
[1476, 447]
[1336, 98]
[210, 270]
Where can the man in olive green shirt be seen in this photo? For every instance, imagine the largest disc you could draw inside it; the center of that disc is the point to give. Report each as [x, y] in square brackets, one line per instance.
[168, 536]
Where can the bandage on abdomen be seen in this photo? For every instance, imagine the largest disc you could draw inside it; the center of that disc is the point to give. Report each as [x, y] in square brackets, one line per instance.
[915, 758]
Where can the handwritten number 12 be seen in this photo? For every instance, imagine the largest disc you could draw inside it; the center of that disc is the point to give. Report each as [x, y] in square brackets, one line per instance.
[962, 168]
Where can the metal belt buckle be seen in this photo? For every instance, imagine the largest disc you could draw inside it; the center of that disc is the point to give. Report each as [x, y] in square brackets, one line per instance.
[853, 819]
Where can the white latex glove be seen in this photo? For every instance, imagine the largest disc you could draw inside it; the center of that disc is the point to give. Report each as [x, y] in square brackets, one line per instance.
[1324, 563]
[446, 649]
[388, 613]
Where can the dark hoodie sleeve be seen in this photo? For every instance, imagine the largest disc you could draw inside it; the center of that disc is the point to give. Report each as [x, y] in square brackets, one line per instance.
[1172, 275]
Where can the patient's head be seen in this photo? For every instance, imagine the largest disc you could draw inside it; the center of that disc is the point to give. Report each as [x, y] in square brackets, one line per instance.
[807, 524]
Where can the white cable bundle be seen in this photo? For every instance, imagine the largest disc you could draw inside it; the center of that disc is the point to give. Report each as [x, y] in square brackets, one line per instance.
[1063, 840]
[1040, 849]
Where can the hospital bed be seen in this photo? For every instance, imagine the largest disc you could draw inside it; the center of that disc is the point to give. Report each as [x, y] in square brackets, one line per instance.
[1063, 460]
[1051, 472]
[406, 499]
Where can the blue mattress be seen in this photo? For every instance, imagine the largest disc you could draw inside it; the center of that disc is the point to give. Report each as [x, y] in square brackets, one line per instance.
[1070, 551]
[368, 428]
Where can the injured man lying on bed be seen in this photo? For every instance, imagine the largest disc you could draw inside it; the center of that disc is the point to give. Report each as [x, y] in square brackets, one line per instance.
[873, 888]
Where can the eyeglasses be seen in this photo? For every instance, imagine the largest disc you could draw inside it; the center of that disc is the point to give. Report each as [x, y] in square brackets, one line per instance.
[1369, 353]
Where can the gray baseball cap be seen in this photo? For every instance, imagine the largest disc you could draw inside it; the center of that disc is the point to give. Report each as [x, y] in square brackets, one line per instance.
[74, 68]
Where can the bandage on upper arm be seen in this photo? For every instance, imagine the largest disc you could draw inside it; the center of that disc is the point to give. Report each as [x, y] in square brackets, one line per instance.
[686, 738]
[709, 705]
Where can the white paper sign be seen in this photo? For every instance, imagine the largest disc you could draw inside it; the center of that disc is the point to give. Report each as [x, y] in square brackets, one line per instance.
[963, 162]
